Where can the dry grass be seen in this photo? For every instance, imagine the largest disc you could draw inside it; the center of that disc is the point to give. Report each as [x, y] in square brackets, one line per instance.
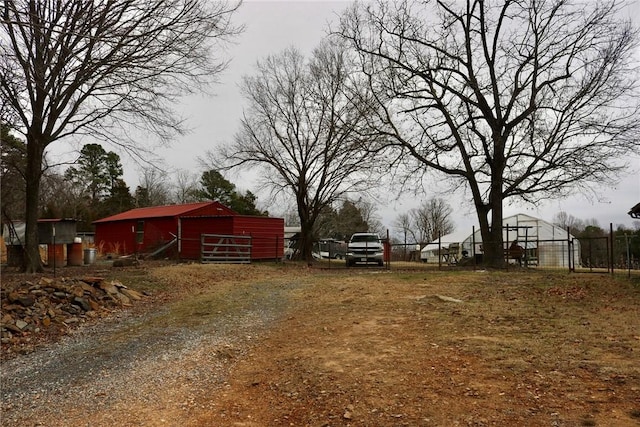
[382, 348]
[371, 347]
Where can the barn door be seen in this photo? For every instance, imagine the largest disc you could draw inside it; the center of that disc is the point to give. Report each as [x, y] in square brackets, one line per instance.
[219, 248]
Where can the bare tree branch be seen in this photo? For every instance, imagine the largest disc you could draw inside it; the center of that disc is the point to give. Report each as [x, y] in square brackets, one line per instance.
[305, 126]
[523, 99]
[102, 69]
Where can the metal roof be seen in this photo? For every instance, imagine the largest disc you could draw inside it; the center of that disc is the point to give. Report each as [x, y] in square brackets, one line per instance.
[160, 212]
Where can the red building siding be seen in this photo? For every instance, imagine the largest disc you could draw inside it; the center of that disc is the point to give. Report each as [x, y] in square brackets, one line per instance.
[159, 225]
[193, 228]
[267, 234]
[122, 236]
[117, 237]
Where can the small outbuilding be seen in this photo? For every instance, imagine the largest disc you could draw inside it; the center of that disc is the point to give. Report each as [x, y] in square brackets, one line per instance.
[58, 234]
[185, 231]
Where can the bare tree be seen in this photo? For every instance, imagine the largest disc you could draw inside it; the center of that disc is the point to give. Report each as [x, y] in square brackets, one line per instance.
[403, 225]
[432, 219]
[304, 126]
[185, 187]
[101, 68]
[516, 99]
[427, 222]
[568, 221]
[154, 190]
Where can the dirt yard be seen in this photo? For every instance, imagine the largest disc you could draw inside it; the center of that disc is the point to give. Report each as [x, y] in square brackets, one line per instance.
[289, 346]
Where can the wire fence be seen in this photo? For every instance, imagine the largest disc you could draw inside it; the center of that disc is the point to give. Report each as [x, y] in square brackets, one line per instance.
[605, 253]
[610, 252]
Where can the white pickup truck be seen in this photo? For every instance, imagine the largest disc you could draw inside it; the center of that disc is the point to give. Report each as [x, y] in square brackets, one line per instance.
[365, 248]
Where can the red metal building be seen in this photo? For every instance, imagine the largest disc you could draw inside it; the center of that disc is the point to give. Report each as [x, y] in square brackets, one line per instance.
[145, 230]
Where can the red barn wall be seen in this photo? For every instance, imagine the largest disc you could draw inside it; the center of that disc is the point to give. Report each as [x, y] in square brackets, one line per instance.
[158, 231]
[267, 234]
[192, 228]
[214, 209]
[116, 237]
[120, 236]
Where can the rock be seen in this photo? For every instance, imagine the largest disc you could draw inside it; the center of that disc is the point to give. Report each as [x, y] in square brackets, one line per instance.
[118, 285]
[109, 288]
[23, 300]
[449, 299]
[130, 293]
[83, 303]
[52, 306]
[93, 281]
[88, 288]
[123, 299]
[13, 328]
[13, 296]
[77, 291]
[21, 324]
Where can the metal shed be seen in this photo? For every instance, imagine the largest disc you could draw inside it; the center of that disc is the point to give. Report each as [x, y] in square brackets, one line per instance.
[57, 233]
[176, 230]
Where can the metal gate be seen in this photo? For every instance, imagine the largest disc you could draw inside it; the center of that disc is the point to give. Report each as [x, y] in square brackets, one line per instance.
[219, 248]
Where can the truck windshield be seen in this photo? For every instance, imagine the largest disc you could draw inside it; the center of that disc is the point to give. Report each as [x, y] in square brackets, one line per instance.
[365, 238]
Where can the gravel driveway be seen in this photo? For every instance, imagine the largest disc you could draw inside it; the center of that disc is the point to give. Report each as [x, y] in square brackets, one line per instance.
[280, 345]
[143, 361]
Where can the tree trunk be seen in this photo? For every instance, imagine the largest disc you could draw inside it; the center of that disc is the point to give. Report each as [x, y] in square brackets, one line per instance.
[494, 246]
[494, 249]
[306, 242]
[307, 221]
[35, 151]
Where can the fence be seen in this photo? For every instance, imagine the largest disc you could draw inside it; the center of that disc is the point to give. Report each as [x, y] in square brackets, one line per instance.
[585, 254]
[217, 248]
[607, 253]
[626, 252]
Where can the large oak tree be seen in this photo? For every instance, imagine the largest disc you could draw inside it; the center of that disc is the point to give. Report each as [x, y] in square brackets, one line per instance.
[101, 68]
[513, 99]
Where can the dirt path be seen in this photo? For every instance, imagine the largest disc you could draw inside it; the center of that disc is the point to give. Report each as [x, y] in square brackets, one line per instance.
[268, 347]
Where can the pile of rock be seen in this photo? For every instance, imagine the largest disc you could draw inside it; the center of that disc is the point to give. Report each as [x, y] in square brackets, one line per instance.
[49, 307]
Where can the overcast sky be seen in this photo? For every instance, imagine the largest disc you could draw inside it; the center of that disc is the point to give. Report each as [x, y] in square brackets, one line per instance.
[273, 26]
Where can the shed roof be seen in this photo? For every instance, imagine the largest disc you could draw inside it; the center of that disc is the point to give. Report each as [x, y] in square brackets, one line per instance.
[163, 211]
